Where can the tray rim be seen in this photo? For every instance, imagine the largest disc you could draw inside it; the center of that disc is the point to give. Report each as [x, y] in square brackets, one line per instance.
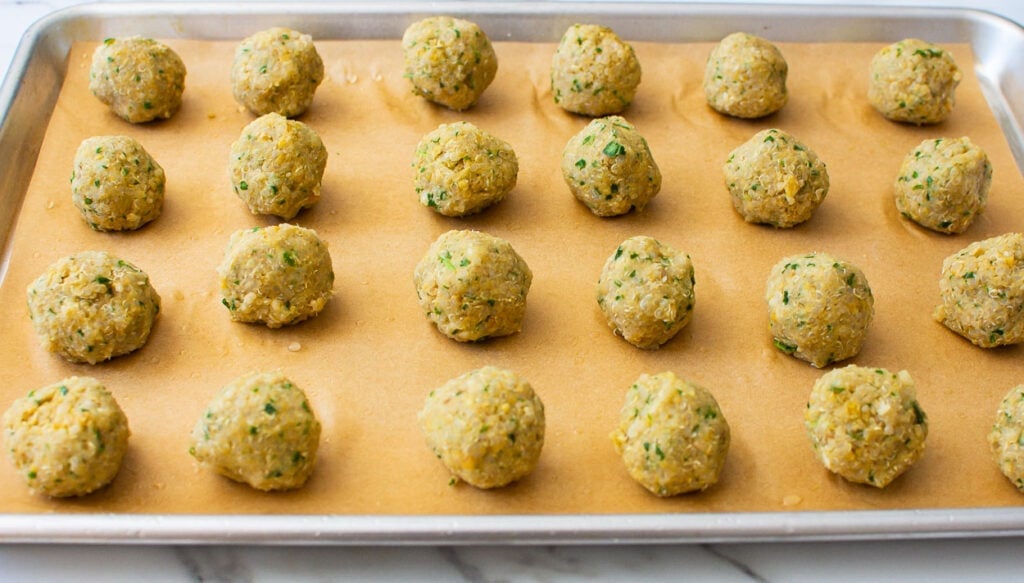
[51, 36]
[406, 530]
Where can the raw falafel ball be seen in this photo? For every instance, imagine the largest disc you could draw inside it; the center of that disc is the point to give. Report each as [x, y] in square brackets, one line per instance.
[609, 168]
[593, 71]
[865, 424]
[775, 179]
[745, 77]
[259, 430]
[819, 308]
[277, 275]
[116, 184]
[449, 61]
[943, 184]
[68, 438]
[91, 306]
[672, 435]
[461, 169]
[277, 165]
[1006, 438]
[913, 81]
[139, 78]
[646, 291]
[473, 286]
[486, 426]
[276, 71]
[982, 290]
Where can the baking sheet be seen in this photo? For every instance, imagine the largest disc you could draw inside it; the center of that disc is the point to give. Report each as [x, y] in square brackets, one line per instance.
[373, 464]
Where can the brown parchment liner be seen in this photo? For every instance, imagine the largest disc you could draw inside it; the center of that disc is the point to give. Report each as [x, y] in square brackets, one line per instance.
[369, 359]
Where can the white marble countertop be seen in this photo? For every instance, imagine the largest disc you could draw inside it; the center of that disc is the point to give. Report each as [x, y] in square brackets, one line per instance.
[933, 561]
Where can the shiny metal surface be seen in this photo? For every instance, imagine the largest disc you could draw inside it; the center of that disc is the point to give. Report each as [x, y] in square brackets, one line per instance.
[30, 90]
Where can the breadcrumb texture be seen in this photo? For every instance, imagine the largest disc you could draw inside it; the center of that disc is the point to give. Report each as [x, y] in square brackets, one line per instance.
[943, 184]
[745, 77]
[276, 71]
[593, 71]
[68, 438]
[460, 169]
[277, 275]
[486, 426]
[982, 290]
[608, 167]
[276, 166]
[116, 185]
[914, 81]
[450, 61]
[473, 285]
[672, 435]
[865, 424]
[819, 308]
[775, 179]
[646, 291]
[91, 306]
[259, 430]
[141, 79]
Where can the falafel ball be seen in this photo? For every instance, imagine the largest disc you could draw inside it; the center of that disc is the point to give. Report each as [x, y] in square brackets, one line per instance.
[259, 430]
[672, 435]
[608, 167]
[745, 77]
[914, 81]
[116, 185]
[473, 286]
[593, 71]
[982, 290]
[819, 308]
[276, 166]
[773, 178]
[278, 275]
[450, 61]
[865, 424]
[1006, 439]
[459, 169]
[486, 426]
[141, 79]
[92, 306]
[68, 438]
[646, 291]
[276, 71]
[943, 184]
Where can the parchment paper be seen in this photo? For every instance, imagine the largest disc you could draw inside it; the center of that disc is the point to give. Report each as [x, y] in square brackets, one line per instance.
[369, 359]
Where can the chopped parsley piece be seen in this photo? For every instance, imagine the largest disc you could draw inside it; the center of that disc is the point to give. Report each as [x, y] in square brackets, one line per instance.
[614, 149]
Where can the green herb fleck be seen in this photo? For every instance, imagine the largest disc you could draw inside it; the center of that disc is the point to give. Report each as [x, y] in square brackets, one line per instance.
[784, 346]
[614, 149]
[919, 416]
[446, 259]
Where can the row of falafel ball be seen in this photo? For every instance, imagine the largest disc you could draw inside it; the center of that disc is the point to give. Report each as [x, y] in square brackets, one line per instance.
[487, 427]
[673, 436]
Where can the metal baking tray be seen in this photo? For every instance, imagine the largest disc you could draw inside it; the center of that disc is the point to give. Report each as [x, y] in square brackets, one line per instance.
[29, 92]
